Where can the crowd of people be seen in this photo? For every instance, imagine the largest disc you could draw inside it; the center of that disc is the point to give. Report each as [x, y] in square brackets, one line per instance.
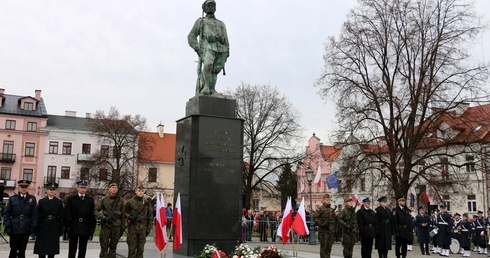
[49, 219]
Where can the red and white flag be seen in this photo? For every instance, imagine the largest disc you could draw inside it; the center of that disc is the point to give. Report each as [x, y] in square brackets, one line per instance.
[356, 200]
[160, 224]
[318, 176]
[299, 223]
[425, 196]
[286, 222]
[177, 222]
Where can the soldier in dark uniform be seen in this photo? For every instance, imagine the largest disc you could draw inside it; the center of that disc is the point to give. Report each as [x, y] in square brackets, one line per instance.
[366, 220]
[326, 220]
[444, 226]
[422, 222]
[20, 219]
[473, 234]
[480, 233]
[384, 230]
[402, 222]
[347, 220]
[433, 225]
[50, 210]
[456, 232]
[111, 227]
[466, 230]
[79, 220]
[140, 214]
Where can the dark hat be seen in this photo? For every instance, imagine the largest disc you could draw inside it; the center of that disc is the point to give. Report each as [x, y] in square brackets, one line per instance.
[206, 2]
[465, 214]
[474, 216]
[383, 199]
[480, 212]
[23, 182]
[400, 199]
[51, 185]
[327, 196]
[112, 184]
[457, 214]
[421, 208]
[366, 200]
[346, 199]
[82, 183]
[442, 206]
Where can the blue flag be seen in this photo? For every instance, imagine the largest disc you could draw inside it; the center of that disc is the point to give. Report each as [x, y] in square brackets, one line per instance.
[332, 181]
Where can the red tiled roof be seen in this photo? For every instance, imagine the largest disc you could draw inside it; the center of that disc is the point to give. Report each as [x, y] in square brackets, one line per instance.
[163, 150]
[329, 153]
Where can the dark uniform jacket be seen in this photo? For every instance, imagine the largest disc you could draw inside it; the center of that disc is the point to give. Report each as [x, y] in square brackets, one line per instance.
[423, 231]
[445, 226]
[366, 221]
[466, 232]
[402, 222]
[50, 226]
[140, 214]
[326, 219]
[384, 230]
[20, 215]
[79, 215]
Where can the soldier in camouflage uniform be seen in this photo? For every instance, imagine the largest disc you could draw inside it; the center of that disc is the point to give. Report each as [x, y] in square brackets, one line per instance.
[350, 229]
[111, 227]
[326, 219]
[140, 214]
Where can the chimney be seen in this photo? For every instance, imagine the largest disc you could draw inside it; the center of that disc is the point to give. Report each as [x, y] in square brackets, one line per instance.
[88, 115]
[38, 94]
[2, 90]
[160, 130]
[69, 113]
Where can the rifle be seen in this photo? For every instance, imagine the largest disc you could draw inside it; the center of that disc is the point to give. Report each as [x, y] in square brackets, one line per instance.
[199, 60]
[113, 212]
[352, 216]
[326, 223]
[135, 216]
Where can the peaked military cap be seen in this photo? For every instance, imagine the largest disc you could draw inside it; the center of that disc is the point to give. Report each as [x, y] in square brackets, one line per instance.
[383, 199]
[442, 206]
[23, 182]
[327, 196]
[51, 185]
[82, 183]
[400, 199]
[366, 200]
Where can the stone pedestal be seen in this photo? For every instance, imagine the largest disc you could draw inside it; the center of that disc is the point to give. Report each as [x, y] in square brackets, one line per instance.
[208, 174]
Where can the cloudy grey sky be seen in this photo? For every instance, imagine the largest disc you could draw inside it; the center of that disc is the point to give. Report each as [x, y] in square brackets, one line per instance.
[90, 55]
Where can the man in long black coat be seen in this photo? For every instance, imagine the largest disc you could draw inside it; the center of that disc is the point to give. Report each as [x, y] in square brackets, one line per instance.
[366, 222]
[50, 226]
[20, 219]
[402, 222]
[384, 230]
[422, 222]
[79, 220]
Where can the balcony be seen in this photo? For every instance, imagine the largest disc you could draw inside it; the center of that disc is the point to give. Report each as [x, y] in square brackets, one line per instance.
[7, 183]
[51, 179]
[84, 157]
[7, 157]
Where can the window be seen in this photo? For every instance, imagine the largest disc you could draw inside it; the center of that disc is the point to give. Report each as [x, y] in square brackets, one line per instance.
[65, 172]
[84, 173]
[8, 147]
[472, 203]
[67, 148]
[103, 172]
[444, 169]
[28, 106]
[31, 126]
[104, 151]
[362, 184]
[5, 173]
[256, 205]
[10, 124]
[27, 175]
[51, 175]
[470, 163]
[85, 148]
[446, 201]
[29, 150]
[53, 147]
[152, 175]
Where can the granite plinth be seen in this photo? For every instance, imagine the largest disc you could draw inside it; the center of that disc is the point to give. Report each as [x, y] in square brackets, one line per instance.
[206, 105]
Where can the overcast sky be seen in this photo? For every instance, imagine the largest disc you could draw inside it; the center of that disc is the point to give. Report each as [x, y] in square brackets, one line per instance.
[93, 54]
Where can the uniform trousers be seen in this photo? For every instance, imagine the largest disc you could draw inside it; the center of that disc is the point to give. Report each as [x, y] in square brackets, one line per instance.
[366, 247]
[109, 237]
[348, 242]
[18, 245]
[326, 242]
[80, 241]
[136, 244]
[401, 247]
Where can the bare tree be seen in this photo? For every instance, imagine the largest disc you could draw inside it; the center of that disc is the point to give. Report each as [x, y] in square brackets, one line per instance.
[122, 147]
[397, 68]
[271, 126]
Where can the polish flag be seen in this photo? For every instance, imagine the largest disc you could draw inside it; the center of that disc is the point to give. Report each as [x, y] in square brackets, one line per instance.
[160, 225]
[318, 176]
[356, 200]
[286, 222]
[425, 196]
[299, 223]
[177, 222]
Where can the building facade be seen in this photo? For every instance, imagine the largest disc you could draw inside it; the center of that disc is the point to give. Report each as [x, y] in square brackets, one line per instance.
[22, 156]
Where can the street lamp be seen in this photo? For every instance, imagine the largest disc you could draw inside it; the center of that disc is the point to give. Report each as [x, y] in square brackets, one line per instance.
[309, 178]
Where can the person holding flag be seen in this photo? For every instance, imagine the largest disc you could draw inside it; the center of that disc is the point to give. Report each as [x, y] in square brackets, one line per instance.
[326, 220]
[350, 229]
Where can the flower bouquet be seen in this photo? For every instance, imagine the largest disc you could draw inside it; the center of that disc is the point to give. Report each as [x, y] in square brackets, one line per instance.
[244, 251]
[211, 251]
[271, 252]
